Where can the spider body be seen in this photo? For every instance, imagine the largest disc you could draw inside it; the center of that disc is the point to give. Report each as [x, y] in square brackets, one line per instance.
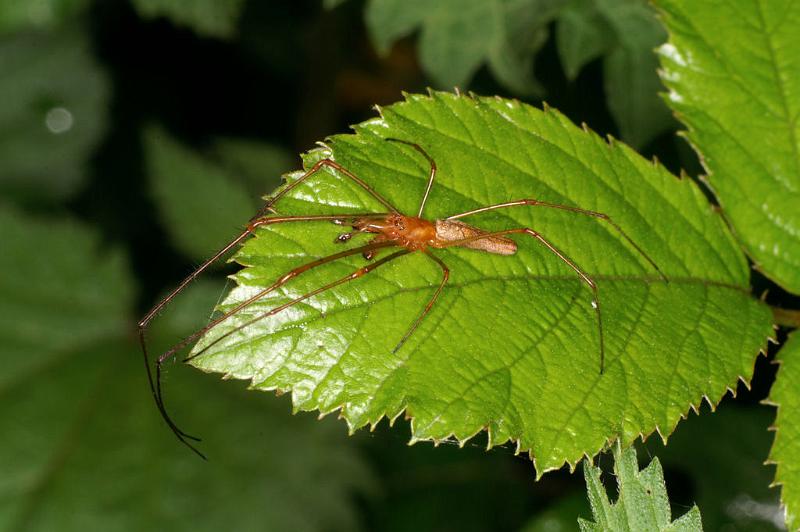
[418, 234]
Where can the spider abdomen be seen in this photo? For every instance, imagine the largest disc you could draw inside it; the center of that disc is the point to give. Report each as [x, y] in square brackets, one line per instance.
[452, 231]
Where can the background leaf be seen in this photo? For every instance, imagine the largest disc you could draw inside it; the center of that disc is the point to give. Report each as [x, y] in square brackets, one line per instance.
[41, 14]
[642, 502]
[457, 37]
[540, 387]
[731, 71]
[785, 453]
[59, 114]
[213, 18]
[625, 33]
[83, 448]
[188, 189]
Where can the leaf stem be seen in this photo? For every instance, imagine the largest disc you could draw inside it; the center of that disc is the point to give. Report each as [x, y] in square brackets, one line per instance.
[786, 317]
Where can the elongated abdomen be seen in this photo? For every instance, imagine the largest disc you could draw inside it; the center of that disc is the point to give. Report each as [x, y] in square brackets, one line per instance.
[453, 231]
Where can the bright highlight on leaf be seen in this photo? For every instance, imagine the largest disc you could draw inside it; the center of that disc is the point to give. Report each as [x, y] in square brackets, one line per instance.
[642, 504]
[732, 71]
[511, 346]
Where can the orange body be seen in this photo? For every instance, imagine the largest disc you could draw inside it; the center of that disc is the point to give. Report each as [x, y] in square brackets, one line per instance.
[416, 234]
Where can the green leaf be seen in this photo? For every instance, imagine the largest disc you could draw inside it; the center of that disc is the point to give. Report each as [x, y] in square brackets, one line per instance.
[212, 18]
[512, 345]
[785, 451]
[83, 447]
[52, 114]
[457, 37]
[731, 69]
[642, 502]
[626, 32]
[41, 14]
[582, 34]
[198, 201]
[257, 163]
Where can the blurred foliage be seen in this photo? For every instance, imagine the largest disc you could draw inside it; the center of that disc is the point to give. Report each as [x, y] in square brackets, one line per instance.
[215, 18]
[58, 115]
[232, 88]
[37, 14]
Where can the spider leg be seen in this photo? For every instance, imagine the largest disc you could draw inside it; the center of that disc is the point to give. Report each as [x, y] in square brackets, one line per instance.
[143, 324]
[594, 214]
[445, 277]
[285, 278]
[355, 275]
[339, 168]
[564, 258]
[431, 176]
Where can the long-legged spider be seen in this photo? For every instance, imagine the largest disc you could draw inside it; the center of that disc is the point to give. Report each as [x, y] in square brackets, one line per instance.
[392, 229]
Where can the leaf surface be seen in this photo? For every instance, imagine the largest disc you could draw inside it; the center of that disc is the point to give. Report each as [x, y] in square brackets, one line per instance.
[732, 71]
[83, 447]
[512, 345]
[785, 453]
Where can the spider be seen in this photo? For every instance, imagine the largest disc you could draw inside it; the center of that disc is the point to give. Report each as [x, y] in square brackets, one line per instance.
[391, 229]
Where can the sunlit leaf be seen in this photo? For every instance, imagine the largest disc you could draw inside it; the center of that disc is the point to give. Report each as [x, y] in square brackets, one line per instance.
[457, 36]
[83, 447]
[731, 68]
[642, 503]
[52, 113]
[214, 18]
[512, 345]
[785, 451]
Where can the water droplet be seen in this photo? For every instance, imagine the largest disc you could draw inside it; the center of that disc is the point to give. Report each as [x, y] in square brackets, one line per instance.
[58, 120]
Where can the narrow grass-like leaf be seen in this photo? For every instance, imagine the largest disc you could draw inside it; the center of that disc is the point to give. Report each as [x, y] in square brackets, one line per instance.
[642, 503]
[785, 451]
[733, 76]
[512, 345]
